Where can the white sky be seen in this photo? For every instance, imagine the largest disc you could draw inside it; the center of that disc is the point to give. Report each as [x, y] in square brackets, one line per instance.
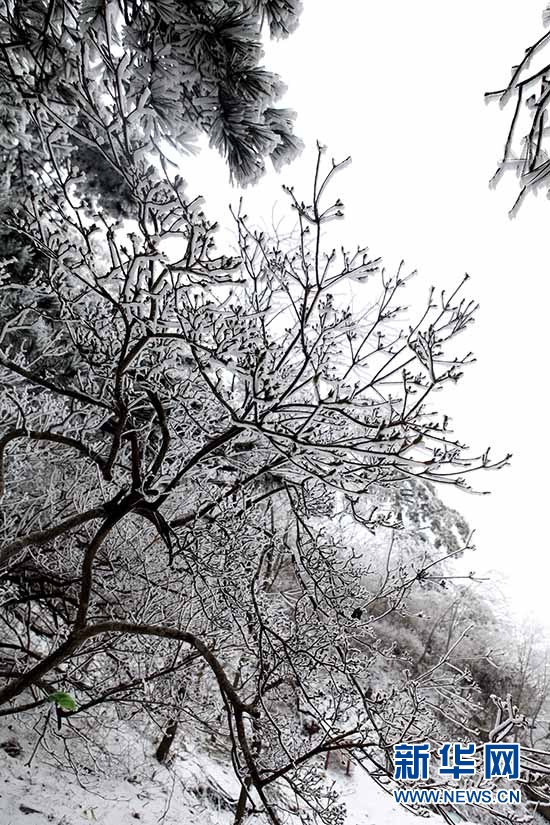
[399, 86]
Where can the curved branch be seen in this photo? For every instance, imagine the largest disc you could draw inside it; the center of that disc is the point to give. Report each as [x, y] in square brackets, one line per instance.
[49, 385]
[77, 639]
[39, 537]
[45, 435]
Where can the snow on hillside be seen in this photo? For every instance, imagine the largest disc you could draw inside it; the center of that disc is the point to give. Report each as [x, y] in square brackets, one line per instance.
[197, 788]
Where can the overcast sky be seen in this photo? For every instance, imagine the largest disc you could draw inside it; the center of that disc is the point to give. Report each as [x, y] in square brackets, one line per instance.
[399, 86]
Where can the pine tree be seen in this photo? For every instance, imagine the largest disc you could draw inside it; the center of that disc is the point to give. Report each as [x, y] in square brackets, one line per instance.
[168, 70]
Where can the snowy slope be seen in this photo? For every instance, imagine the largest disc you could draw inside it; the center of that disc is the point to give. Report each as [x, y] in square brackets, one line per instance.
[196, 789]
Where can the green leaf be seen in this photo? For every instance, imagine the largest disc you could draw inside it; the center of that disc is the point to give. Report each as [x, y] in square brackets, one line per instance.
[62, 700]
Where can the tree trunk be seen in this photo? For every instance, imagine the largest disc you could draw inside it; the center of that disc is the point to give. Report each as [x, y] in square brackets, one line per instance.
[166, 741]
[240, 813]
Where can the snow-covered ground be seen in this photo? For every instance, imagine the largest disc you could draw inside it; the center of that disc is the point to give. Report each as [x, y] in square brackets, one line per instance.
[141, 791]
[196, 789]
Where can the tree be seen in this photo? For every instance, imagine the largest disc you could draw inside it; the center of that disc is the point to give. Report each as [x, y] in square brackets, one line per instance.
[528, 91]
[178, 425]
[116, 85]
[164, 72]
[175, 484]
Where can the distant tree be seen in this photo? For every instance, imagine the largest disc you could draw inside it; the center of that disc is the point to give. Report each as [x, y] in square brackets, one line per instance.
[526, 149]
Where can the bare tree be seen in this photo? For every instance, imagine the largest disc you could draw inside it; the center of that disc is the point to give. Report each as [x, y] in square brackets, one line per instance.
[173, 483]
[528, 94]
[176, 425]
